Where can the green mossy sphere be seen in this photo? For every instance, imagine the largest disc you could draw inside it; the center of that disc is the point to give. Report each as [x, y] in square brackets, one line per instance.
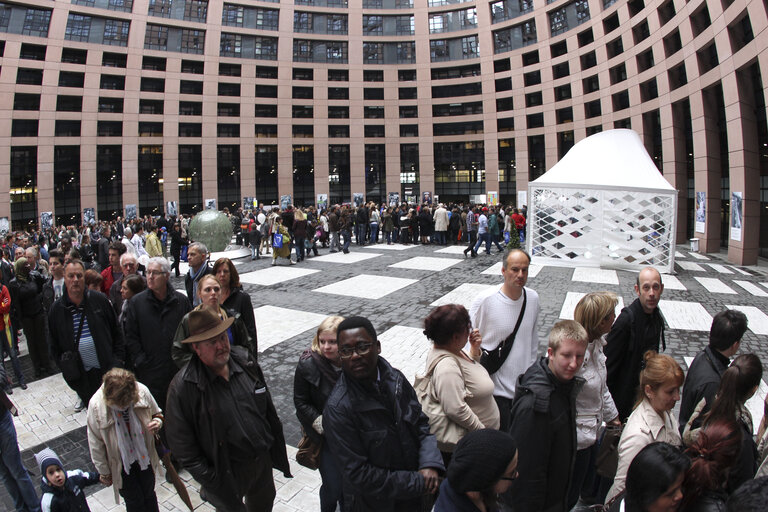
[212, 228]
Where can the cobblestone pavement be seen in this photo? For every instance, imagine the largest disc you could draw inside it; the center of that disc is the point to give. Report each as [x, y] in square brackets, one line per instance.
[395, 286]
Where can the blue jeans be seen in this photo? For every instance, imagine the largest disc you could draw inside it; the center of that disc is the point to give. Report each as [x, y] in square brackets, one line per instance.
[495, 240]
[331, 489]
[483, 237]
[360, 234]
[347, 239]
[374, 232]
[5, 348]
[12, 471]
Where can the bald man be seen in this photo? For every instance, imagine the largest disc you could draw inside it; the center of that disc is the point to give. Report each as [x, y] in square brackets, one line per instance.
[639, 328]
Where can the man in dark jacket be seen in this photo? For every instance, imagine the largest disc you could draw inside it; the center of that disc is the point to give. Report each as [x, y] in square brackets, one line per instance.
[703, 378]
[176, 244]
[374, 424]
[83, 321]
[221, 423]
[197, 257]
[544, 419]
[333, 228]
[151, 319]
[639, 328]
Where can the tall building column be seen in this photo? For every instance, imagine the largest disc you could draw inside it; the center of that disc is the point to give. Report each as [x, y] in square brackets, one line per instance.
[673, 150]
[706, 165]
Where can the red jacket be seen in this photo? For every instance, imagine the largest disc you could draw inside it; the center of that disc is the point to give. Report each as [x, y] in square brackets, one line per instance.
[5, 305]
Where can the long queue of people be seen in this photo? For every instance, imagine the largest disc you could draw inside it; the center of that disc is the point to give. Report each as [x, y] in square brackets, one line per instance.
[490, 425]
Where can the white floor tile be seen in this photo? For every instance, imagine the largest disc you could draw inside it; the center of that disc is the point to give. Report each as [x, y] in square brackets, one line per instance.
[367, 286]
[689, 265]
[452, 249]
[573, 298]
[595, 275]
[698, 256]
[426, 263]
[752, 288]
[495, 270]
[715, 285]
[406, 349]
[740, 271]
[672, 283]
[275, 275]
[464, 294]
[722, 269]
[347, 259]
[279, 324]
[757, 320]
[679, 254]
[689, 316]
[393, 247]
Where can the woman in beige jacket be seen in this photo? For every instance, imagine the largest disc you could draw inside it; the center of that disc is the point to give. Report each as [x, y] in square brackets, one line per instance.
[123, 419]
[652, 419]
[459, 382]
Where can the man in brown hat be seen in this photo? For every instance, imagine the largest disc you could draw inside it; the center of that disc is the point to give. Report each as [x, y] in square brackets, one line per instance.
[221, 423]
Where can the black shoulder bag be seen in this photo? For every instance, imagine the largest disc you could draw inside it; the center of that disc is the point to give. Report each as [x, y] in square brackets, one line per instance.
[70, 363]
[493, 359]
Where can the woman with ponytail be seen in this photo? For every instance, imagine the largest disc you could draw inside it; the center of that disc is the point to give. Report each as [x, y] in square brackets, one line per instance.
[738, 384]
[713, 455]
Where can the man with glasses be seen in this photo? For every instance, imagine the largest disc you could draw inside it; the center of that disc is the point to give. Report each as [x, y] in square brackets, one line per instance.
[374, 424]
[130, 267]
[151, 319]
[221, 423]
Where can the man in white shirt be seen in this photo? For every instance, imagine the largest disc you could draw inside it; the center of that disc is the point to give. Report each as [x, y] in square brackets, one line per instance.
[495, 314]
[127, 235]
[483, 235]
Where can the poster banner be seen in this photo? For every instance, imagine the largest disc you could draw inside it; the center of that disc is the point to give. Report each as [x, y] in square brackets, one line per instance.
[46, 220]
[130, 211]
[322, 201]
[285, 201]
[426, 197]
[522, 198]
[89, 216]
[5, 226]
[493, 198]
[736, 215]
[394, 198]
[357, 200]
[249, 203]
[477, 198]
[210, 204]
[701, 211]
[172, 208]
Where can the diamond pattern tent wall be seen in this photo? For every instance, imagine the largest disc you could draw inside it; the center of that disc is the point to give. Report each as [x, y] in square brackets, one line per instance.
[605, 204]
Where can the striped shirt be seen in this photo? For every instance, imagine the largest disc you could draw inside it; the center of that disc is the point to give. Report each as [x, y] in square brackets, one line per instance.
[87, 348]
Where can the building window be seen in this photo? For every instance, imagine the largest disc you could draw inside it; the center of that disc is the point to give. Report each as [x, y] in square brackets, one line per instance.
[36, 22]
[232, 15]
[156, 37]
[558, 21]
[116, 32]
[438, 50]
[231, 45]
[404, 25]
[196, 10]
[469, 47]
[406, 53]
[192, 41]
[336, 23]
[78, 27]
[111, 105]
[5, 17]
[120, 5]
[468, 18]
[373, 25]
[336, 51]
[582, 11]
[268, 19]
[190, 108]
[302, 22]
[373, 53]
[160, 8]
[265, 48]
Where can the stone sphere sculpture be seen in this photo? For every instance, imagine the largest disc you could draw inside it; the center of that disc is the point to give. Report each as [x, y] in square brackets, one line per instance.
[212, 228]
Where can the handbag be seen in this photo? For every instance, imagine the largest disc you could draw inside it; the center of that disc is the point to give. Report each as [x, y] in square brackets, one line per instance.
[277, 241]
[70, 362]
[493, 359]
[445, 430]
[607, 459]
[308, 454]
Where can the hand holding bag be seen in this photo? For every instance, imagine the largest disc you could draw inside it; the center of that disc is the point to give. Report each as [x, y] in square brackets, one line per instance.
[277, 241]
[309, 452]
[493, 359]
[607, 460]
[447, 432]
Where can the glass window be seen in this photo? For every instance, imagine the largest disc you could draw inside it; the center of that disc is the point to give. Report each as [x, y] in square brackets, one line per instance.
[192, 41]
[406, 52]
[558, 21]
[156, 37]
[373, 53]
[78, 27]
[36, 22]
[265, 48]
[337, 23]
[196, 10]
[161, 8]
[373, 25]
[336, 51]
[231, 45]
[438, 50]
[404, 25]
[232, 15]
[267, 19]
[469, 47]
[120, 5]
[116, 32]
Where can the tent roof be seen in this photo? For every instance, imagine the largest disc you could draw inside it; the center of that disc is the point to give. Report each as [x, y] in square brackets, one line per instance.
[614, 159]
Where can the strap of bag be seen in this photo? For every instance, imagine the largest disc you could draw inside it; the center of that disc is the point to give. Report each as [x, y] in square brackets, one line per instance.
[432, 367]
[79, 330]
[505, 347]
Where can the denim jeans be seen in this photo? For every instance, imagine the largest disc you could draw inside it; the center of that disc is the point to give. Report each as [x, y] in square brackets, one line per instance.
[374, 232]
[483, 237]
[299, 248]
[331, 489]
[12, 471]
[360, 234]
[5, 348]
[347, 239]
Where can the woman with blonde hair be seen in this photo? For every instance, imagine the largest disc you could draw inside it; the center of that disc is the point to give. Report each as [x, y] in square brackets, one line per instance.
[594, 404]
[316, 374]
[209, 291]
[123, 418]
[300, 226]
[652, 419]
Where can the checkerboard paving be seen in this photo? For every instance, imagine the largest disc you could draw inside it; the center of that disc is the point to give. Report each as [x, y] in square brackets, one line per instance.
[689, 316]
[275, 275]
[345, 259]
[689, 265]
[366, 286]
[463, 294]
[714, 285]
[277, 324]
[426, 263]
[595, 275]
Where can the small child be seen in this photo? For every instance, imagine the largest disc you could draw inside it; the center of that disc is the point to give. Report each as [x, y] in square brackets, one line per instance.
[62, 491]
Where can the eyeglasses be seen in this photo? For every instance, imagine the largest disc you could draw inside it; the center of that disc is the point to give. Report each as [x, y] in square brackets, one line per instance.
[361, 349]
[151, 273]
[511, 478]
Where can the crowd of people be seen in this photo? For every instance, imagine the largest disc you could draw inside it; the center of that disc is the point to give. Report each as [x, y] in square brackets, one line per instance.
[491, 424]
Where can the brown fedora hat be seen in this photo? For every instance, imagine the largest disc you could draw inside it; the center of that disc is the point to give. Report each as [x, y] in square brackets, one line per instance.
[205, 324]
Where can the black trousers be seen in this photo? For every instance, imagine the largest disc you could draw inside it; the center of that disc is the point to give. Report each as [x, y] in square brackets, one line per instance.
[505, 412]
[138, 490]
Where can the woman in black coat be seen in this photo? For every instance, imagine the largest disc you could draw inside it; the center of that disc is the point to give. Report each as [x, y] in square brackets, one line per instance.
[27, 311]
[176, 243]
[316, 375]
[235, 298]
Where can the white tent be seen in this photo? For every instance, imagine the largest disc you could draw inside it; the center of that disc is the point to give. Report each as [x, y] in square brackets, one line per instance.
[605, 204]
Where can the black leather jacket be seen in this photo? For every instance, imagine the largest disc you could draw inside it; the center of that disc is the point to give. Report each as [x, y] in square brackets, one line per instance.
[311, 388]
[380, 452]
